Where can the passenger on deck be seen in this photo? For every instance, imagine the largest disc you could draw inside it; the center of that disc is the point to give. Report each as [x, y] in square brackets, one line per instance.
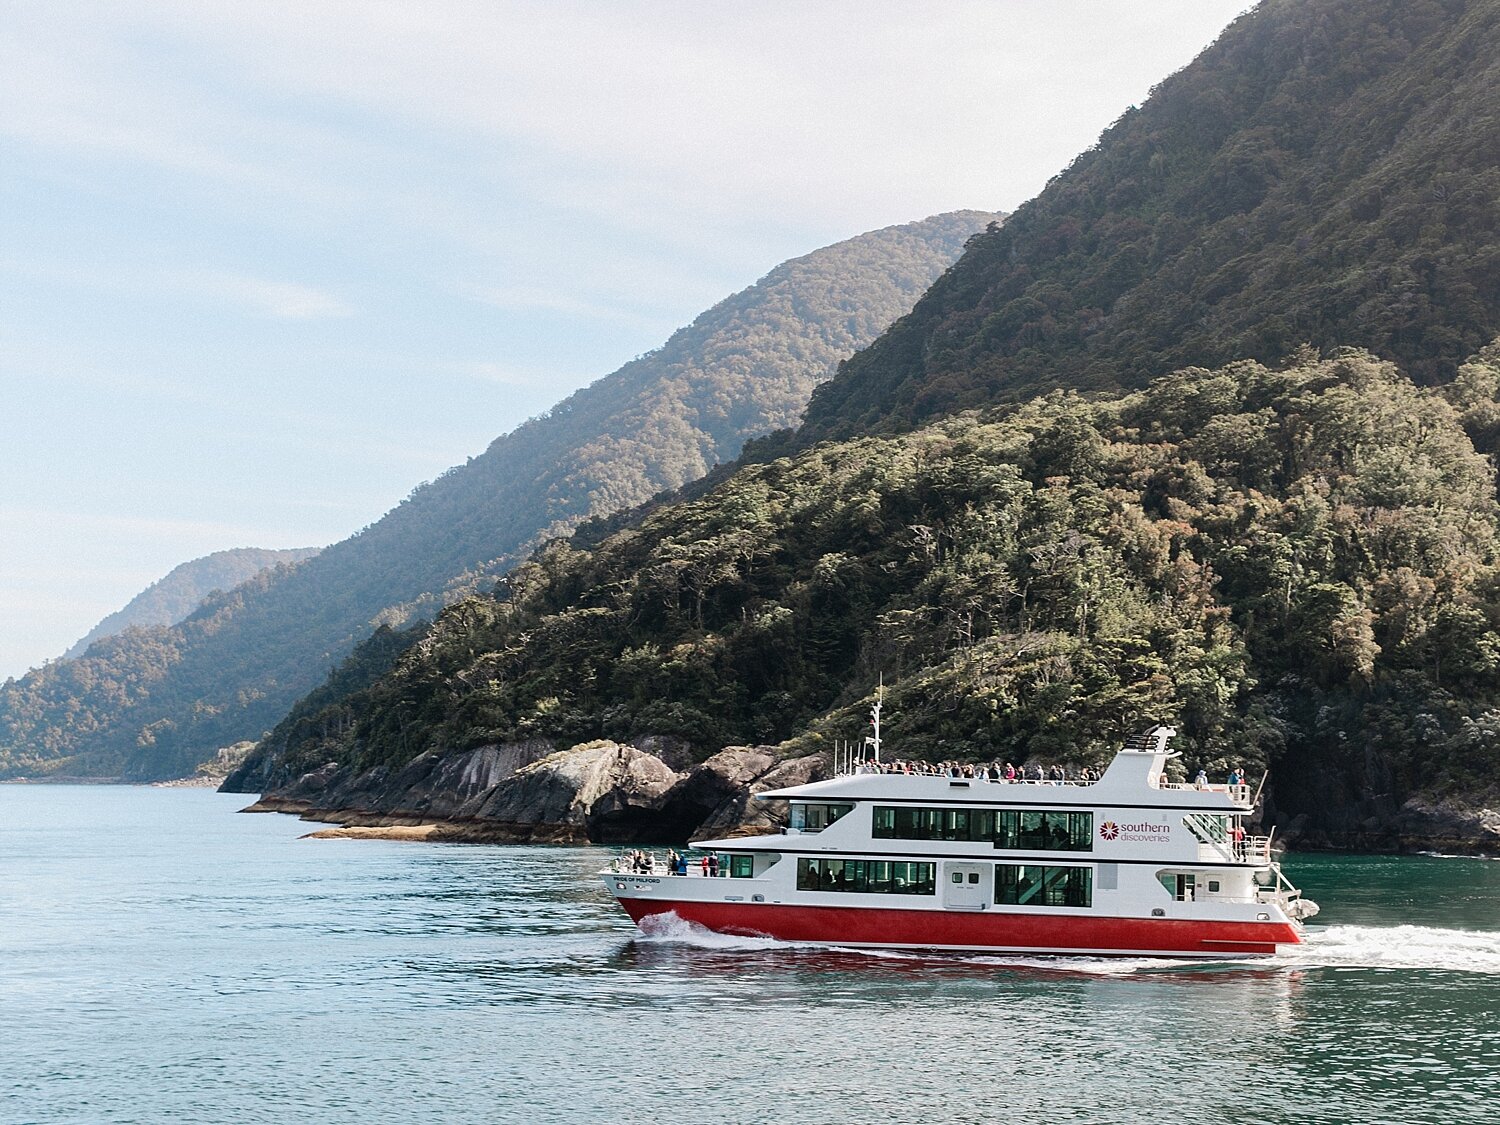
[713, 865]
[1236, 777]
[1010, 772]
[1201, 781]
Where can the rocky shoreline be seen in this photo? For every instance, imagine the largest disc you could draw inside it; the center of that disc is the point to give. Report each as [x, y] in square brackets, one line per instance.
[599, 793]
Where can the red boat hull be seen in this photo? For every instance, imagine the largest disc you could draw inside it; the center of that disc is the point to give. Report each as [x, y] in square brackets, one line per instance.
[989, 930]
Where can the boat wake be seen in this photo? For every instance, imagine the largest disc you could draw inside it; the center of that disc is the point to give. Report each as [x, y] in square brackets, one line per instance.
[1394, 947]
[1328, 947]
[668, 928]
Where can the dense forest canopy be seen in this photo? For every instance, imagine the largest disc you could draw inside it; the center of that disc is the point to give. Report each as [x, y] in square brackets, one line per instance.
[1327, 172]
[1296, 565]
[153, 702]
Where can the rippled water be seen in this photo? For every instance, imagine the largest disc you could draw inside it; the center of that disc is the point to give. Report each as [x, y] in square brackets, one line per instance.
[162, 959]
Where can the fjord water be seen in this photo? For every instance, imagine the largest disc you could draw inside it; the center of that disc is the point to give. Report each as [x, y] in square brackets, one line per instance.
[164, 959]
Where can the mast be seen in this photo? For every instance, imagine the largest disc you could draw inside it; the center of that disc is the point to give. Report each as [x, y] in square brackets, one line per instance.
[874, 741]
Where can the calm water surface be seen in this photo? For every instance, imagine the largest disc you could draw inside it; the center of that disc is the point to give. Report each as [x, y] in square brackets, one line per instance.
[163, 959]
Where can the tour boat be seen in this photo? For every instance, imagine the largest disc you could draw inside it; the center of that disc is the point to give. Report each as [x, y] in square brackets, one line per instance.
[1128, 864]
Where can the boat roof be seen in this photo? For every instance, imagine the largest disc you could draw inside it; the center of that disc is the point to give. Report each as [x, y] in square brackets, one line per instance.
[1133, 780]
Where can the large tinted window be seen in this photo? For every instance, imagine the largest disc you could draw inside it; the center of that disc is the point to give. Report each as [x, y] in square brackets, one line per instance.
[1037, 830]
[867, 876]
[815, 818]
[1035, 884]
[1044, 830]
[902, 822]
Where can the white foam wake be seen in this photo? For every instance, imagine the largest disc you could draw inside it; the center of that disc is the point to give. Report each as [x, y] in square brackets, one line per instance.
[1332, 947]
[1394, 947]
[669, 928]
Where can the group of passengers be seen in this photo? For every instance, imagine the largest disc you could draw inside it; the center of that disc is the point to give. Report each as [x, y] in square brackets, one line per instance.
[1236, 778]
[1028, 773]
[638, 862]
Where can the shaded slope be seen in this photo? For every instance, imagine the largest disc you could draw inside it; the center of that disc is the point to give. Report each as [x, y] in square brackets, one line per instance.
[171, 598]
[1300, 568]
[152, 703]
[1327, 172]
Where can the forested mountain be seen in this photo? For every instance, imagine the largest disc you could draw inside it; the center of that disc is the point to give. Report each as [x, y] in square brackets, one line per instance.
[1287, 547]
[1297, 566]
[1328, 172]
[154, 702]
[168, 600]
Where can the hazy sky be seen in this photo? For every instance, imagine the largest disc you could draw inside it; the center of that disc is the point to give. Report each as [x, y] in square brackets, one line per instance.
[265, 267]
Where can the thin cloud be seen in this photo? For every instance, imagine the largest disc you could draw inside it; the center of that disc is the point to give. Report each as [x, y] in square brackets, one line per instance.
[526, 298]
[282, 300]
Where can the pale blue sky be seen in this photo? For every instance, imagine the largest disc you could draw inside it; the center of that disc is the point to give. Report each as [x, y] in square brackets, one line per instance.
[264, 267]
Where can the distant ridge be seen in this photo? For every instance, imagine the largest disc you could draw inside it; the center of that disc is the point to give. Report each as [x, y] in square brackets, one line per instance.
[171, 598]
[152, 703]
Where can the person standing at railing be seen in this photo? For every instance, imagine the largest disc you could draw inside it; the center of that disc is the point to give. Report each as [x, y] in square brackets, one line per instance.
[1238, 835]
[1201, 781]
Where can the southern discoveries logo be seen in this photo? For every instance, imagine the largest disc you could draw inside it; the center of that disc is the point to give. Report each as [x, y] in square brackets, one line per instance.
[1143, 832]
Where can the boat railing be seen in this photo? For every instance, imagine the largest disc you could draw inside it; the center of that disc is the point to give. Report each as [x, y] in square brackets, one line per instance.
[1239, 794]
[865, 771]
[1251, 849]
[695, 870]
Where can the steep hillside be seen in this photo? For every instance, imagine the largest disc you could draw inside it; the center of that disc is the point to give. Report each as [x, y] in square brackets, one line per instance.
[1328, 172]
[170, 599]
[1299, 567]
[152, 703]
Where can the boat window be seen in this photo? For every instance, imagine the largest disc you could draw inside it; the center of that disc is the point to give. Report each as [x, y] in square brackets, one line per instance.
[816, 817]
[1044, 830]
[907, 823]
[741, 866]
[867, 876]
[1033, 884]
[1180, 885]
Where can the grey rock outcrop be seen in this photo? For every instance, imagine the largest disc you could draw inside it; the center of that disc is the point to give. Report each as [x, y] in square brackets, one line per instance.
[600, 792]
[743, 772]
[1447, 826]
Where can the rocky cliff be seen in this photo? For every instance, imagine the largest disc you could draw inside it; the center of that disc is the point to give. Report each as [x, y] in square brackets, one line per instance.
[601, 792]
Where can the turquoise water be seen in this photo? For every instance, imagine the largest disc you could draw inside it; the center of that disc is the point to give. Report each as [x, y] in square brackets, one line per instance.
[163, 959]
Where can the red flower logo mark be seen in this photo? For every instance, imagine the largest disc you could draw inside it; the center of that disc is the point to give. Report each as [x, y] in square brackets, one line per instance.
[1109, 830]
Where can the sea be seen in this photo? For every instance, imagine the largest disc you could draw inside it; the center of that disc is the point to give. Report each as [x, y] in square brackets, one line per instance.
[164, 958]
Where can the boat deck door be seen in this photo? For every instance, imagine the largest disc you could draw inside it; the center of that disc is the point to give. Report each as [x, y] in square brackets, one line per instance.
[964, 887]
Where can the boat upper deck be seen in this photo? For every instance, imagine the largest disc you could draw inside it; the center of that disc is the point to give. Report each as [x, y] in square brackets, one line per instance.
[1136, 779]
